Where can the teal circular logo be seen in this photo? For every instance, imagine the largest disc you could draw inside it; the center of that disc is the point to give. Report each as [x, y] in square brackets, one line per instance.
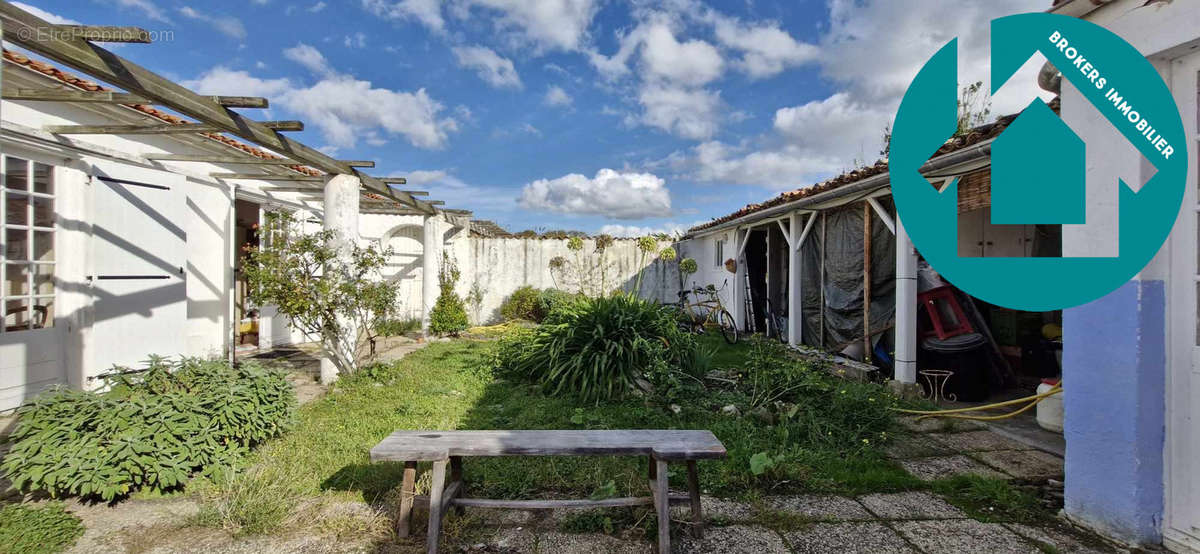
[1041, 169]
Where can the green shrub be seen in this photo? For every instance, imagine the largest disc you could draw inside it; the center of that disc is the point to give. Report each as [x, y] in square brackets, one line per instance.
[596, 348]
[523, 303]
[553, 299]
[397, 327]
[449, 314]
[149, 431]
[27, 529]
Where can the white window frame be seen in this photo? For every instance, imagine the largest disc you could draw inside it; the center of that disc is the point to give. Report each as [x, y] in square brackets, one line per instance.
[719, 252]
[31, 296]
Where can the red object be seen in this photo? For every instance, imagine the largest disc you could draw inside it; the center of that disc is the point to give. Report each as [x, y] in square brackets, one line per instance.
[947, 316]
[1051, 381]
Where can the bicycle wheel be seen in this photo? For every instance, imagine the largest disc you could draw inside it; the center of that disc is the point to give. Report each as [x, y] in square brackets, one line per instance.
[728, 327]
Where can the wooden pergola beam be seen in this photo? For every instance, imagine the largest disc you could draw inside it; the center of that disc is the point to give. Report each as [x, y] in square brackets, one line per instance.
[20, 28]
[161, 129]
[295, 189]
[98, 33]
[109, 97]
[394, 180]
[268, 177]
[247, 159]
[436, 202]
[416, 192]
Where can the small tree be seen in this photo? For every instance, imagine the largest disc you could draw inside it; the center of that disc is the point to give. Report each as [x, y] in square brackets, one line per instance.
[300, 275]
[449, 315]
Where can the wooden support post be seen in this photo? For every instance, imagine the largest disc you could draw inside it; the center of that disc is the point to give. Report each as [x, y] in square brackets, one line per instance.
[867, 281]
[821, 313]
[662, 505]
[435, 506]
[694, 495]
[404, 515]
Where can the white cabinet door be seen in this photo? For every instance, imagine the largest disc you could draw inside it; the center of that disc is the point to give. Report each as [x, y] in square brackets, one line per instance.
[138, 253]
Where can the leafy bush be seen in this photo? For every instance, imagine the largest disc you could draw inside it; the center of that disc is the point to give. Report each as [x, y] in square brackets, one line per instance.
[150, 430]
[26, 529]
[397, 327]
[523, 303]
[597, 348]
[449, 314]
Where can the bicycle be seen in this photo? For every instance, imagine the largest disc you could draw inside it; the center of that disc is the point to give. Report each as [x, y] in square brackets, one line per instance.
[695, 316]
[776, 323]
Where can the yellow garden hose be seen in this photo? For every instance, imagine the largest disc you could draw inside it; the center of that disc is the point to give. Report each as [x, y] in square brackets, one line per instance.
[960, 413]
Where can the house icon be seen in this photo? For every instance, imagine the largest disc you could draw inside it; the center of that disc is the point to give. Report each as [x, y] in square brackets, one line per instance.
[1038, 171]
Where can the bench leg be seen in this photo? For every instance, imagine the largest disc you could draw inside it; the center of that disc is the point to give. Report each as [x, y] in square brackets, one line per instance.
[662, 503]
[435, 505]
[456, 476]
[694, 493]
[404, 516]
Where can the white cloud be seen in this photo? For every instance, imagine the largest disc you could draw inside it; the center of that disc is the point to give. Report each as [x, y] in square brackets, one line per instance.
[610, 193]
[692, 114]
[692, 62]
[528, 128]
[310, 58]
[316, 8]
[556, 96]
[43, 14]
[222, 80]
[346, 109]
[227, 25]
[427, 12]
[617, 230]
[357, 40]
[766, 49]
[343, 108]
[147, 7]
[872, 49]
[494, 69]
[547, 24]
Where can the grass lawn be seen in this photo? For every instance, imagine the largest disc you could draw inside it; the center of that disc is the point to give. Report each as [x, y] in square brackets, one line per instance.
[449, 385]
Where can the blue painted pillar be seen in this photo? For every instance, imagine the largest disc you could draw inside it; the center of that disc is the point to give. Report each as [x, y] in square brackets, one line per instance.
[1114, 368]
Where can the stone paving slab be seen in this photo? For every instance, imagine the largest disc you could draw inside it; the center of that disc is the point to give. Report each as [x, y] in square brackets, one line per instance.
[928, 469]
[1027, 464]
[715, 509]
[916, 446]
[1061, 540]
[570, 543]
[977, 441]
[735, 539]
[830, 508]
[910, 505]
[956, 536]
[865, 537]
[934, 425]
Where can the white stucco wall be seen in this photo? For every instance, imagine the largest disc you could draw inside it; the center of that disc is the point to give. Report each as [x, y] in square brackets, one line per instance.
[498, 266]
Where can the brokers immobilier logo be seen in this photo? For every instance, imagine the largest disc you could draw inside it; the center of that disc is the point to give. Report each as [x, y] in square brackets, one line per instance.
[1039, 164]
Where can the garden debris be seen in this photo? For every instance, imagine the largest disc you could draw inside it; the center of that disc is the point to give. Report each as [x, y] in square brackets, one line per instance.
[731, 410]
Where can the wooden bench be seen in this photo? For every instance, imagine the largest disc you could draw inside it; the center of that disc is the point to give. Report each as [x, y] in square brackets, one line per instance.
[448, 448]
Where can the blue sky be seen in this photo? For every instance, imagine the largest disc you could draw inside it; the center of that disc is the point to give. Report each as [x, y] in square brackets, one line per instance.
[613, 116]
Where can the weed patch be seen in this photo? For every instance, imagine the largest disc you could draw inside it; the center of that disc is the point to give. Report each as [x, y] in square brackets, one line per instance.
[28, 529]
